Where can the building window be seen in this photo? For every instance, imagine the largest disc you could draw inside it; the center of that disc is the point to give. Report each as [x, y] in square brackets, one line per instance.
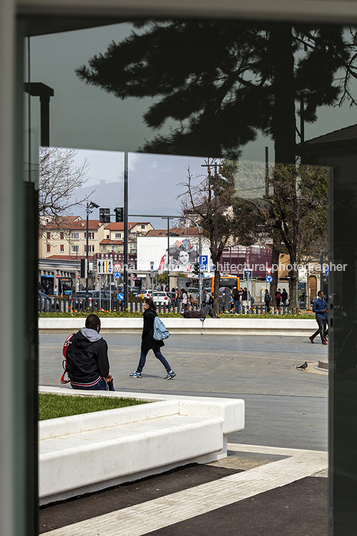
[61, 248]
[48, 248]
[107, 237]
[48, 235]
[90, 236]
[117, 235]
[61, 235]
[90, 249]
[74, 249]
[143, 226]
[75, 236]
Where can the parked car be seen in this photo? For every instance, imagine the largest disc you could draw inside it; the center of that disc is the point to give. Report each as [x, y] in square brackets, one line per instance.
[46, 303]
[79, 298]
[161, 298]
[134, 290]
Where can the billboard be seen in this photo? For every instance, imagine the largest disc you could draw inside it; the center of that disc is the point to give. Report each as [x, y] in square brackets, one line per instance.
[183, 252]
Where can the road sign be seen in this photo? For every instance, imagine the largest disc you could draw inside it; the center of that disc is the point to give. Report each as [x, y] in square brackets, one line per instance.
[117, 267]
[120, 296]
[204, 263]
[105, 266]
[269, 278]
[248, 274]
[57, 276]
[268, 270]
[326, 271]
[117, 275]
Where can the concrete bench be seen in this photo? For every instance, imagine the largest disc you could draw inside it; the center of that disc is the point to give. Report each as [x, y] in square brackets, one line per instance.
[89, 452]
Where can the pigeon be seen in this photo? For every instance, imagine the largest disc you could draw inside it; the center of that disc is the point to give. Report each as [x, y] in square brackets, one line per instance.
[303, 366]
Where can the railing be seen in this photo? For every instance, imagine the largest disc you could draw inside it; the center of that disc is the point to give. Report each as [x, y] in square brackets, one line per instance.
[57, 305]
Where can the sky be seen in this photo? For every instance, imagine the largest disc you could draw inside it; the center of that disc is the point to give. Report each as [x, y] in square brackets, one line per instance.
[101, 126]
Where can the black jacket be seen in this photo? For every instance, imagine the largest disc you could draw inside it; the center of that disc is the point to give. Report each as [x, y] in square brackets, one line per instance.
[147, 340]
[87, 357]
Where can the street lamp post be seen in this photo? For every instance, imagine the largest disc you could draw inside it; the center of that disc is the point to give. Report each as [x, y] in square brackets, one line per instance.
[90, 205]
[199, 256]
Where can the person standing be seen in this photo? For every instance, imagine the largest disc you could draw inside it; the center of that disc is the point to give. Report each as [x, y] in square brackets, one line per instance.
[320, 308]
[267, 300]
[284, 297]
[278, 298]
[184, 300]
[236, 301]
[87, 358]
[149, 343]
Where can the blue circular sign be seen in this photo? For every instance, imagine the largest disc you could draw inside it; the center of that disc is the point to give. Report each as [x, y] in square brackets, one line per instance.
[269, 278]
[117, 275]
[120, 296]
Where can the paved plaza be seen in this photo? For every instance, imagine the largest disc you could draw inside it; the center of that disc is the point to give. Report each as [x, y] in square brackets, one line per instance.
[278, 464]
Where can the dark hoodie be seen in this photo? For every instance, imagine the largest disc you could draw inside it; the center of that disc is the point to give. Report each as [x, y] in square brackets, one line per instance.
[87, 357]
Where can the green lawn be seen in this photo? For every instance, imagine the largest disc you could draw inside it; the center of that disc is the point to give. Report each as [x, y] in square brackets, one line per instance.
[53, 406]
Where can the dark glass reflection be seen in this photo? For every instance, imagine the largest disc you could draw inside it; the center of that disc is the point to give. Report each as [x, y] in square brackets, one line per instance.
[223, 82]
[209, 89]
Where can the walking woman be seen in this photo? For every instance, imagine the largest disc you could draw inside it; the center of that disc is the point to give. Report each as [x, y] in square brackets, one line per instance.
[149, 343]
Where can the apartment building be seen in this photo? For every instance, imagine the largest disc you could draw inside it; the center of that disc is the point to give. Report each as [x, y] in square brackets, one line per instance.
[67, 238]
[113, 239]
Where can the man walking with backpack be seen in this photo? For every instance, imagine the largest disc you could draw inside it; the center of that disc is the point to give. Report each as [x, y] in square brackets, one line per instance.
[87, 358]
[148, 342]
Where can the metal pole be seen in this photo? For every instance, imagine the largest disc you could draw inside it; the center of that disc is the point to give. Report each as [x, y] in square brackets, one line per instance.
[168, 253]
[87, 297]
[200, 273]
[125, 231]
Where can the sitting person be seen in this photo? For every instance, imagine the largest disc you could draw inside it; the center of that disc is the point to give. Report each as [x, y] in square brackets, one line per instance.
[87, 358]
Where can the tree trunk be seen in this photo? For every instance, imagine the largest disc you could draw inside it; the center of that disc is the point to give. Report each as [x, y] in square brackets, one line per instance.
[293, 282]
[283, 122]
[274, 274]
[216, 290]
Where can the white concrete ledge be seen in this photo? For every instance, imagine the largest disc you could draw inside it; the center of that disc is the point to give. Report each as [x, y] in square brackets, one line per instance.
[84, 453]
[232, 326]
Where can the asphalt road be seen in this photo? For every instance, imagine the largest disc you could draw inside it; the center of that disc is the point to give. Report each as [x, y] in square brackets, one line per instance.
[285, 407]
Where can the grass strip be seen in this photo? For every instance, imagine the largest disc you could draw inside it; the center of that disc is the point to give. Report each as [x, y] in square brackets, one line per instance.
[53, 406]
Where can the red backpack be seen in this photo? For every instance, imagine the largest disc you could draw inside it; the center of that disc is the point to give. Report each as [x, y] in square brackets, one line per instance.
[66, 343]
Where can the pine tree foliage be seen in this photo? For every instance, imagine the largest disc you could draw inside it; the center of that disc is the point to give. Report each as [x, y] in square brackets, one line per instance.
[221, 82]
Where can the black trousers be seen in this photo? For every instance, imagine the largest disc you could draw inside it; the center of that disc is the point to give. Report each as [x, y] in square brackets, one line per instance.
[322, 329]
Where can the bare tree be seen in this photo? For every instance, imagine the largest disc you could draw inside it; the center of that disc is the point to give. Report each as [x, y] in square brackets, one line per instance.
[292, 212]
[59, 180]
[208, 201]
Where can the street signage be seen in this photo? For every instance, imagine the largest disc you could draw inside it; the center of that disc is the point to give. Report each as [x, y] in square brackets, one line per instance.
[117, 275]
[248, 274]
[269, 278]
[204, 263]
[105, 266]
[120, 296]
[117, 267]
[326, 271]
[268, 270]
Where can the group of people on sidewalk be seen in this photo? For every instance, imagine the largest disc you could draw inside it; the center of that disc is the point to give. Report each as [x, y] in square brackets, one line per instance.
[87, 354]
[281, 297]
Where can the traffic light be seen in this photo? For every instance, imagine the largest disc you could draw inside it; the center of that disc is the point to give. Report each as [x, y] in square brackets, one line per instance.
[196, 268]
[119, 214]
[104, 215]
